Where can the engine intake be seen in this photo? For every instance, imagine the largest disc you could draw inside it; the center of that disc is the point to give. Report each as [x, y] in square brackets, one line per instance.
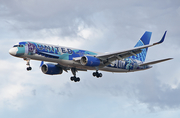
[51, 69]
[90, 61]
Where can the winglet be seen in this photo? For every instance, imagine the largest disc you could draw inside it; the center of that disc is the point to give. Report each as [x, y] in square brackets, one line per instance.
[41, 63]
[161, 39]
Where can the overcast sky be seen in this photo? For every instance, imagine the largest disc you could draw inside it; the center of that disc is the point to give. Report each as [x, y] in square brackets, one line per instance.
[96, 25]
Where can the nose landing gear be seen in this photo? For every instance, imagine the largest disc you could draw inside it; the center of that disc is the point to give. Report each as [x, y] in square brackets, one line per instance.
[29, 68]
[28, 64]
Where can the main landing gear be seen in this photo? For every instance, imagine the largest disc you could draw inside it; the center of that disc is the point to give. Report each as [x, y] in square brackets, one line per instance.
[28, 64]
[74, 78]
[29, 68]
[97, 74]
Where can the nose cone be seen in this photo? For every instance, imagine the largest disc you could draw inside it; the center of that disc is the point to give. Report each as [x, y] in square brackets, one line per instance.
[13, 51]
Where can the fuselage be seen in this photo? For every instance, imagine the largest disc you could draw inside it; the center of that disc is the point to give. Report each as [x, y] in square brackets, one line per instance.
[65, 56]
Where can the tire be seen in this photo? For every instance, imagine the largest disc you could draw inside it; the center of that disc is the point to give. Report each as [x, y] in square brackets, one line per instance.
[94, 74]
[72, 78]
[30, 68]
[100, 74]
[78, 79]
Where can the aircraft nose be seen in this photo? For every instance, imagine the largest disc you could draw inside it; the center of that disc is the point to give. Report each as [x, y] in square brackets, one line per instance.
[13, 51]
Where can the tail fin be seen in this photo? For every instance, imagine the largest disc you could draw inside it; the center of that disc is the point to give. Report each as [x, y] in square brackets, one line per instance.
[144, 40]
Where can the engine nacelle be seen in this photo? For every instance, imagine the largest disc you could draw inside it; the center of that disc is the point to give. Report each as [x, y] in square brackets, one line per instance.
[90, 61]
[51, 69]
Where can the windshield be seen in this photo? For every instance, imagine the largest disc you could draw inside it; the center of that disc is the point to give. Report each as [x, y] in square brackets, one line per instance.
[18, 46]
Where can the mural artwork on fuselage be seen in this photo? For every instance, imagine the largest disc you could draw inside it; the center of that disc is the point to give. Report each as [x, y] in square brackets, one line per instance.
[48, 51]
[128, 64]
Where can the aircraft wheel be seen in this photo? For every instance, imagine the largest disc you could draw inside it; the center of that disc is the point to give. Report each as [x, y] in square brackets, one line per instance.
[72, 78]
[94, 74]
[100, 74]
[75, 79]
[29, 68]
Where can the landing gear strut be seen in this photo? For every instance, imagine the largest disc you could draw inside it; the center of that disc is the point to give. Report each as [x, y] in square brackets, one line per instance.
[97, 74]
[28, 64]
[74, 78]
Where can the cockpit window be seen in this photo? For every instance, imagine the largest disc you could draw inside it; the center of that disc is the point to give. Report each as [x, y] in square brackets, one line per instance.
[15, 46]
[18, 46]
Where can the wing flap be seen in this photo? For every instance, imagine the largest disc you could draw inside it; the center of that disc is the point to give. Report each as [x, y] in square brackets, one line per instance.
[154, 62]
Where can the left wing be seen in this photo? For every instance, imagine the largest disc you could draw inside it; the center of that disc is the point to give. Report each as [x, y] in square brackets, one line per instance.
[127, 53]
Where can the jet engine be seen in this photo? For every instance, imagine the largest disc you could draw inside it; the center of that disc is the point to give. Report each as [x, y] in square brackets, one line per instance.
[51, 69]
[90, 61]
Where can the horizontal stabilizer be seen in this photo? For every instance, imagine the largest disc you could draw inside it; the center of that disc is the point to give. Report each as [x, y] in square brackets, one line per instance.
[154, 62]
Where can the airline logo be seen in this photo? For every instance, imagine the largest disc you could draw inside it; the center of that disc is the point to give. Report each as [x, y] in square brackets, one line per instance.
[32, 48]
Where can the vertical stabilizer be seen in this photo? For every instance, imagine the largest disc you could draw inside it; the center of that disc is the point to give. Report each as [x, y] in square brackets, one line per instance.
[144, 40]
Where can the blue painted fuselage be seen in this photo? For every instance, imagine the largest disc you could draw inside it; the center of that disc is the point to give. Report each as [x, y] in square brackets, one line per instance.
[65, 57]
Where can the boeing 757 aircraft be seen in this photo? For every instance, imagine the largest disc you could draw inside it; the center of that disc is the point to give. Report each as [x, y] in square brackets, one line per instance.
[64, 58]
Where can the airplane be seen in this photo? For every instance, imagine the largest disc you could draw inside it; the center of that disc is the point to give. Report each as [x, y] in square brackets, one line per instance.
[65, 58]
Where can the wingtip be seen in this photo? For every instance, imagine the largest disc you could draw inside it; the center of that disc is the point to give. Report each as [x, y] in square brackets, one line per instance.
[171, 58]
[162, 39]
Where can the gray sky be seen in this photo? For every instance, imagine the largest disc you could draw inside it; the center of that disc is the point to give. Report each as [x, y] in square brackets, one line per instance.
[96, 25]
